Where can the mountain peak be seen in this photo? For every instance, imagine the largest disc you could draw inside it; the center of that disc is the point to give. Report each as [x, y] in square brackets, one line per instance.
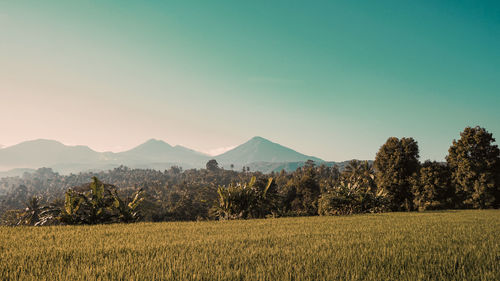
[156, 141]
[151, 145]
[153, 140]
[42, 141]
[259, 149]
[258, 139]
[158, 151]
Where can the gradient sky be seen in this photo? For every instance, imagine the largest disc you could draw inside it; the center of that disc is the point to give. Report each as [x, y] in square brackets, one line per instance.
[333, 79]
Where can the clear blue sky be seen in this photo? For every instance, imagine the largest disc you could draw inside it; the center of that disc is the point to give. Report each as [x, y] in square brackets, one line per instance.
[332, 79]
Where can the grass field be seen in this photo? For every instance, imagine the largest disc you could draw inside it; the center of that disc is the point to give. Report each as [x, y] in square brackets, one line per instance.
[450, 245]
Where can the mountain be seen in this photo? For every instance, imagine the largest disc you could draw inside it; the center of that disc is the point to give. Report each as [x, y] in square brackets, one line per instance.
[153, 154]
[45, 153]
[258, 153]
[158, 151]
[259, 149]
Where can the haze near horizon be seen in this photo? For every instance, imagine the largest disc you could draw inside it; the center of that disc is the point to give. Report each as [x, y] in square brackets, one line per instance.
[332, 80]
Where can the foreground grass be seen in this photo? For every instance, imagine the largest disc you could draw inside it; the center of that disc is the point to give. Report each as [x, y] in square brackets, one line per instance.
[451, 245]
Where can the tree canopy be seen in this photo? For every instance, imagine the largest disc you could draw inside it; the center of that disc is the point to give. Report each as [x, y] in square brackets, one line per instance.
[475, 165]
[396, 166]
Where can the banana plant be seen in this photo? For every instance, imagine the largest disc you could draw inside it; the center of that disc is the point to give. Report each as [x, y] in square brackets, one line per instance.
[50, 215]
[243, 200]
[32, 212]
[37, 215]
[101, 204]
[129, 212]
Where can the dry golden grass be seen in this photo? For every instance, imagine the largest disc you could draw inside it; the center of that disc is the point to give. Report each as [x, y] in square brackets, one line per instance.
[450, 245]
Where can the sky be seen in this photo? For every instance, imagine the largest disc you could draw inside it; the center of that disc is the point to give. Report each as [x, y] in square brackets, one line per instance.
[332, 79]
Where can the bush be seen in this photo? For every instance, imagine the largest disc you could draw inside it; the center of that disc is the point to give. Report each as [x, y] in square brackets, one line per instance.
[347, 199]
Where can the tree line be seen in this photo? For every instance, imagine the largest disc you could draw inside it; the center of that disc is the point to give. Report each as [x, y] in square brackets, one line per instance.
[395, 181]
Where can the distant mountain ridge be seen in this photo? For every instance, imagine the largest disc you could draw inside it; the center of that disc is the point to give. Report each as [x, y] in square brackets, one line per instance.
[258, 153]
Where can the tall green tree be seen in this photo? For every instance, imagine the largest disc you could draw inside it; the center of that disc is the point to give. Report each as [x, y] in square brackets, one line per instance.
[475, 166]
[212, 165]
[328, 176]
[434, 189]
[302, 191]
[397, 165]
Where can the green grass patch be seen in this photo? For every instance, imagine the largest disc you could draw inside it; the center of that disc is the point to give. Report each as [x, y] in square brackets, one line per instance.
[449, 245]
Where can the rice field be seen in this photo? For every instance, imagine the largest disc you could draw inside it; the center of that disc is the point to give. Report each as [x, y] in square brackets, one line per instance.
[448, 245]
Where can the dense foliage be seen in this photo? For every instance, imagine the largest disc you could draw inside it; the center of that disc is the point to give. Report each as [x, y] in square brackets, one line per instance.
[356, 192]
[433, 189]
[397, 166]
[475, 165]
[99, 203]
[250, 200]
[396, 181]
